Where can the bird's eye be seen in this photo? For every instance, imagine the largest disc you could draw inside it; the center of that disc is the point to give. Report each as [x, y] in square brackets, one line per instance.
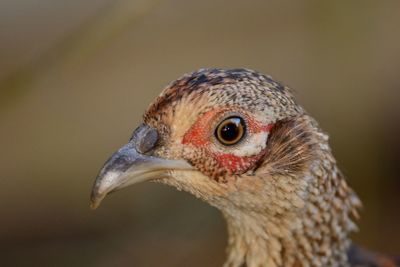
[230, 131]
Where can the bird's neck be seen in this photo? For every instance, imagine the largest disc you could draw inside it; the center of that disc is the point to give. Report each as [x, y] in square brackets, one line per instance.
[252, 243]
[316, 235]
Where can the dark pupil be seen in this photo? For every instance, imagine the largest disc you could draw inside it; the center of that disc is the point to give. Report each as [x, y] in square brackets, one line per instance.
[230, 131]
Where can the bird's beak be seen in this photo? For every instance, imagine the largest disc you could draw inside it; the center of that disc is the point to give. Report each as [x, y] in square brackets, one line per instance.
[130, 165]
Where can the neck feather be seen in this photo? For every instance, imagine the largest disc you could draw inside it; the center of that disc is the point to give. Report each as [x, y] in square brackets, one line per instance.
[314, 235]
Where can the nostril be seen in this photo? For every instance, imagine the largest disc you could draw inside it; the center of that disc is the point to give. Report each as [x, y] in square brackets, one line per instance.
[144, 138]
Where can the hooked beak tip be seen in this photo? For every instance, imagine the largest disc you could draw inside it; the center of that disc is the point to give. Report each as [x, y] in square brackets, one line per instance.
[95, 200]
[94, 205]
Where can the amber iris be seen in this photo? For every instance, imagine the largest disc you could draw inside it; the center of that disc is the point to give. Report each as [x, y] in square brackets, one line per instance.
[230, 131]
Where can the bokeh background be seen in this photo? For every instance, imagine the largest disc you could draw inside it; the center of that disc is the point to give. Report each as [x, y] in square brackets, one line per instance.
[76, 76]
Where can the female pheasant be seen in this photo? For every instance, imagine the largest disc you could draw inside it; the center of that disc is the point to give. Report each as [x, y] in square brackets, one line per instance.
[238, 140]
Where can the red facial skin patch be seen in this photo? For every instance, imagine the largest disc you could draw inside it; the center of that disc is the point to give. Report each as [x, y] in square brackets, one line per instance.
[200, 135]
[235, 164]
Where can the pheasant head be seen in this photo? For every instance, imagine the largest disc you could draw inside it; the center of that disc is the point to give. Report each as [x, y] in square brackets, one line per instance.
[238, 140]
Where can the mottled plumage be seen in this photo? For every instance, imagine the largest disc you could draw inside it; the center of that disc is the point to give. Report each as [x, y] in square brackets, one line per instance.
[285, 201]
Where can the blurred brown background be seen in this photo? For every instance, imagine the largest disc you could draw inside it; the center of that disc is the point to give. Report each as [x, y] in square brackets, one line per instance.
[76, 76]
